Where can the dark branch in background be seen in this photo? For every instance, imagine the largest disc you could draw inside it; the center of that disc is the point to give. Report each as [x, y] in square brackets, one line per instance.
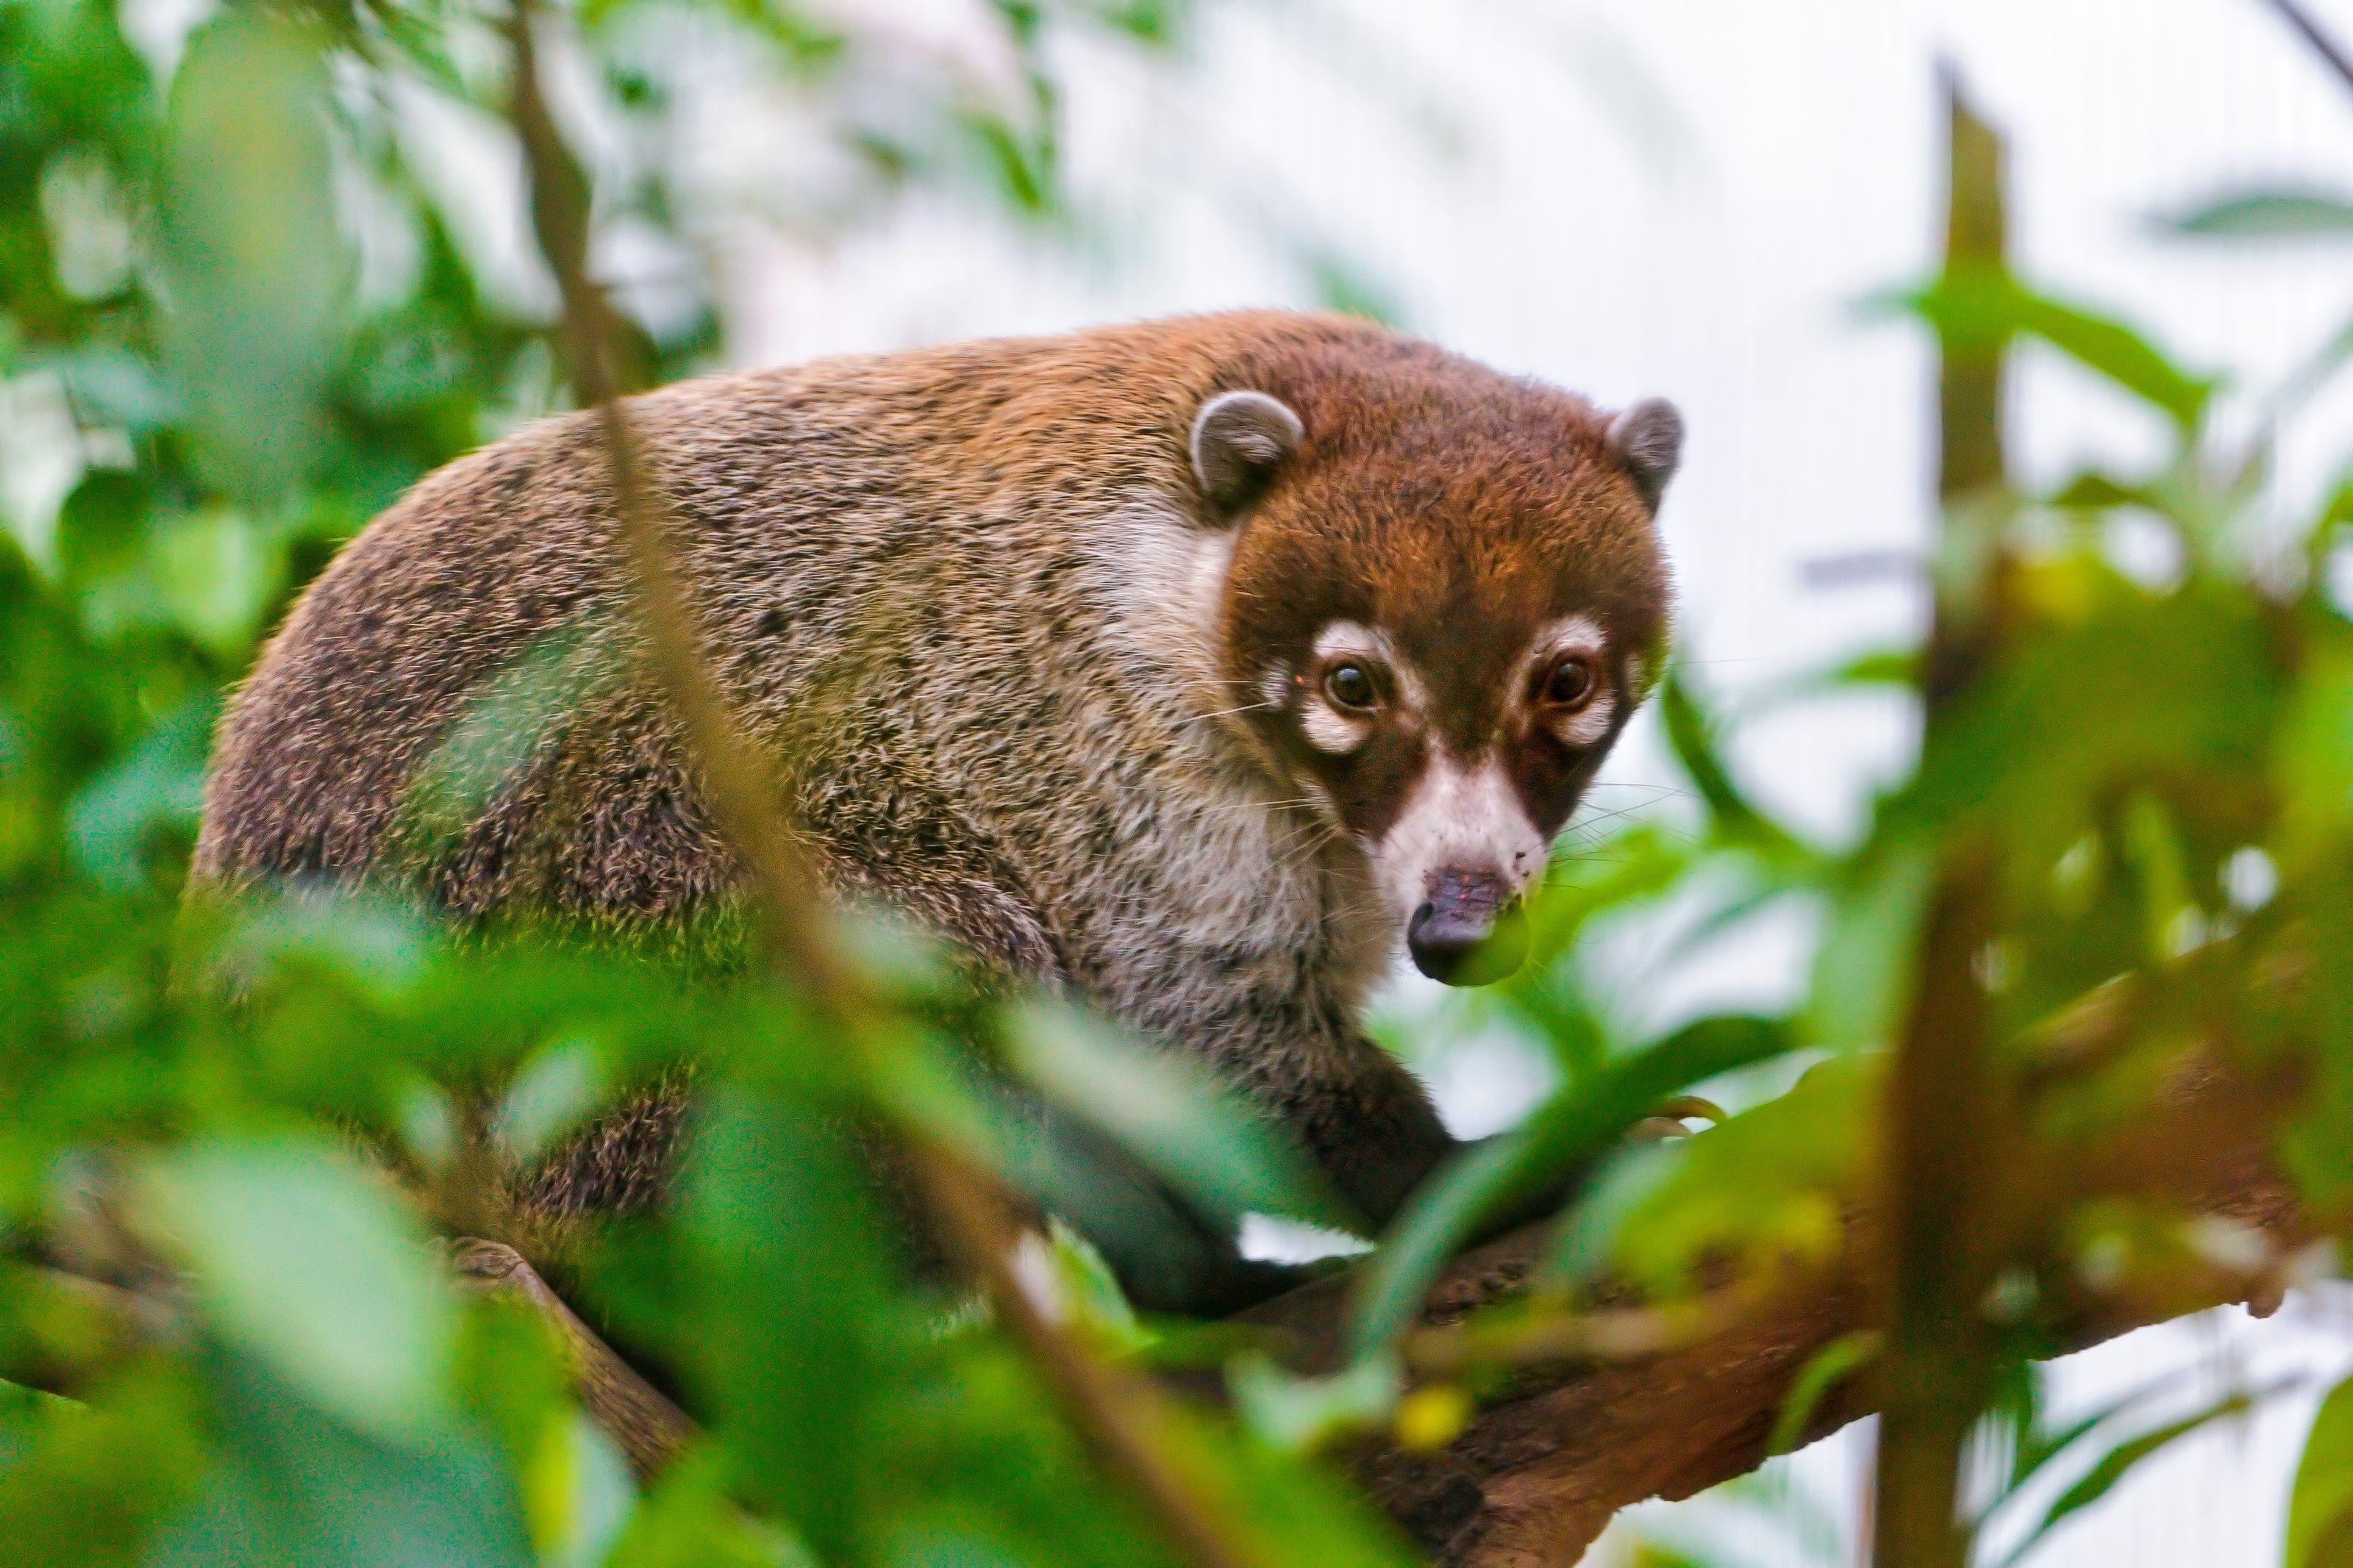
[1121, 1418]
[2322, 43]
[1947, 1111]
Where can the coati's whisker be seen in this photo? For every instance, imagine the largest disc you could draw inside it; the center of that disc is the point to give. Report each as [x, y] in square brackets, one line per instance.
[1223, 713]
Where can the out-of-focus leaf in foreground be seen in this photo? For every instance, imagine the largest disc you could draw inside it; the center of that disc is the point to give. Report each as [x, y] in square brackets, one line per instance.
[1216, 1149]
[1562, 1135]
[1986, 308]
[252, 256]
[309, 1264]
[296, 1488]
[2320, 1507]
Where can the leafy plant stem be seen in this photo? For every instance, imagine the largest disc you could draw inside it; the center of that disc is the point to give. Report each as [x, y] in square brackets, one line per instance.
[1944, 1087]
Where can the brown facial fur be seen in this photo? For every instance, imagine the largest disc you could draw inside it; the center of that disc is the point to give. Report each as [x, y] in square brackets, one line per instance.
[961, 593]
[1460, 519]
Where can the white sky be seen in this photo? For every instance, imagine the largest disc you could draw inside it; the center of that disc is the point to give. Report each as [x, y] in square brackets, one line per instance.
[1685, 196]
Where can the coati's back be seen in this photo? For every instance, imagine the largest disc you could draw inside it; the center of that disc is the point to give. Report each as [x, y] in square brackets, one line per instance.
[881, 550]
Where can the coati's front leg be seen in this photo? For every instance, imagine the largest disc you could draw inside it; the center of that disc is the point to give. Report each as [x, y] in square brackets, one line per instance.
[1368, 1123]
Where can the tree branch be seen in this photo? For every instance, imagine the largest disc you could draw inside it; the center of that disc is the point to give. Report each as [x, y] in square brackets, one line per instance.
[1541, 1471]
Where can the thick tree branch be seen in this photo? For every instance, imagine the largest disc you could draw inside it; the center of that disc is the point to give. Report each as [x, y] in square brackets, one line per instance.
[1542, 1470]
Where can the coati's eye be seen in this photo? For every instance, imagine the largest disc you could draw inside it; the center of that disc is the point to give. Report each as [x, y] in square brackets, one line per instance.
[1569, 683]
[1350, 685]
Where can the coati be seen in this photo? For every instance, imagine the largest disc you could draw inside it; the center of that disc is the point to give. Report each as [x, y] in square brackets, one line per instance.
[1195, 666]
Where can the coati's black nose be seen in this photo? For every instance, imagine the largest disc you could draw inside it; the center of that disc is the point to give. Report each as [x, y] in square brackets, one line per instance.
[1465, 933]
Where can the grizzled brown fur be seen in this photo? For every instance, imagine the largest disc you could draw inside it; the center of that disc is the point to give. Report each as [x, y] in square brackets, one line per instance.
[976, 600]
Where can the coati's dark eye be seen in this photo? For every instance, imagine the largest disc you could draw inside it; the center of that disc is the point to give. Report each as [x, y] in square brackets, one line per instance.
[1351, 686]
[1570, 681]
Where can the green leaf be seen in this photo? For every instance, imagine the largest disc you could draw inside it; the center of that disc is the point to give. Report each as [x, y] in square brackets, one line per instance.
[1828, 1367]
[2267, 214]
[1513, 1167]
[158, 783]
[1691, 733]
[1280, 1506]
[1761, 1189]
[295, 1488]
[253, 257]
[555, 1091]
[2320, 1505]
[794, 1321]
[1212, 1145]
[1299, 1414]
[2119, 1461]
[1984, 308]
[309, 1262]
[217, 572]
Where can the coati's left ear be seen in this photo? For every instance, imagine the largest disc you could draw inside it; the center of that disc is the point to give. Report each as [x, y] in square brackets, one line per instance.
[1649, 439]
[1240, 439]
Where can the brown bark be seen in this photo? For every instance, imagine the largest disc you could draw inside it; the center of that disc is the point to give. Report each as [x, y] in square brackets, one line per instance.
[1541, 1471]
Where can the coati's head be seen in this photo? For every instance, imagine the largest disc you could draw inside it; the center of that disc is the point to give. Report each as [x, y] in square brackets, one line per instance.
[1444, 598]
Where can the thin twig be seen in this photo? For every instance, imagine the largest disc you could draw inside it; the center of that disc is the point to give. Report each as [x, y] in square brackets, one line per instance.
[1121, 1419]
[2326, 48]
[1603, 1334]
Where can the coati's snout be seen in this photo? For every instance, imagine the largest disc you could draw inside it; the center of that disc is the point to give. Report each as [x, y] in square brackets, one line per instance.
[1469, 931]
[1438, 632]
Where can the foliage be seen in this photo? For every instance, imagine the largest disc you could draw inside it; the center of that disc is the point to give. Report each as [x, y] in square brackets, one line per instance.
[232, 293]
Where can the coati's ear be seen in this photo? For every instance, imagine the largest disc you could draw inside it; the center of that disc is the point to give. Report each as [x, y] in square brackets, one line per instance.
[1240, 439]
[1649, 439]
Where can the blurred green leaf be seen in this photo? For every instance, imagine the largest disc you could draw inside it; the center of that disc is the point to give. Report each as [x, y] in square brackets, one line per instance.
[557, 1089]
[2320, 1505]
[795, 1325]
[2112, 1465]
[1206, 1139]
[1693, 735]
[309, 1263]
[158, 783]
[252, 254]
[1288, 1508]
[2266, 215]
[1301, 1414]
[296, 1489]
[688, 1521]
[1567, 1130]
[577, 1494]
[1864, 967]
[1766, 1188]
[1824, 1371]
[88, 1486]
[1986, 308]
[217, 572]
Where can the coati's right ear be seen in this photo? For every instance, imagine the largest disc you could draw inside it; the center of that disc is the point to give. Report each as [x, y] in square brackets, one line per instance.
[1649, 439]
[1240, 439]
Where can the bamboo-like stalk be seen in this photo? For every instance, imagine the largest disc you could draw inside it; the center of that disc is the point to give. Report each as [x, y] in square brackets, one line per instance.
[1946, 1093]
